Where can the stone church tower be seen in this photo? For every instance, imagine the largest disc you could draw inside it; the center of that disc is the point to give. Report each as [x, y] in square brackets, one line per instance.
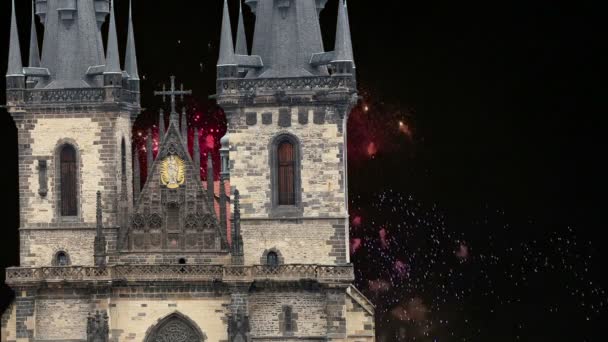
[107, 257]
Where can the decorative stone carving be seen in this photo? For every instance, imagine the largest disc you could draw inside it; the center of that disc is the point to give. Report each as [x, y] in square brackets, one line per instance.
[175, 328]
[138, 222]
[155, 221]
[238, 327]
[192, 222]
[285, 83]
[251, 118]
[97, 327]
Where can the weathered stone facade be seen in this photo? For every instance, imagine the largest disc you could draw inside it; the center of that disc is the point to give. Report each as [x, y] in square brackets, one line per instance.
[163, 262]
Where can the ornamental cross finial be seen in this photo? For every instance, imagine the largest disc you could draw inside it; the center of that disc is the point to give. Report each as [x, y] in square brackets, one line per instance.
[172, 93]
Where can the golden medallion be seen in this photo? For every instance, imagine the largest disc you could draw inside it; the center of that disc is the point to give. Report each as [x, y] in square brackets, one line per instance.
[172, 172]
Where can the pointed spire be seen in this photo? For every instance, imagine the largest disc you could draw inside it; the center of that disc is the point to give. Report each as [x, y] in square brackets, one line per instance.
[196, 153]
[237, 243]
[149, 152]
[210, 180]
[226, 45]
[241, 38]
[184, 126]
[112, 58]
[161, 124]
[136, 176]
[344, 48]
[15, 63]
[131, 55]
[223, 211]
[34, 61]
[99, 243]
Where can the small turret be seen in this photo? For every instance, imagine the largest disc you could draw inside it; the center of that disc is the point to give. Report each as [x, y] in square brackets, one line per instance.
[131, 55]
[100, 240]
[196, 152]
[241, 38]
[15, 79]
[227, 63]
[136, 175]
[184, 126]
[149, 152]
[210, 180]
[112, 76]
[343, 60]
[161, 124]
[224, 157]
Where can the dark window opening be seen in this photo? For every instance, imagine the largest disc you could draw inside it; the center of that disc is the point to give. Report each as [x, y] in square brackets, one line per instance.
[68, 174]
[272, 259]
[123, 157]
[182, 261]
[286, 174]
[62, 259]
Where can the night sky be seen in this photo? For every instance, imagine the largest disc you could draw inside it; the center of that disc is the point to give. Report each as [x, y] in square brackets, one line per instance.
[476, 164]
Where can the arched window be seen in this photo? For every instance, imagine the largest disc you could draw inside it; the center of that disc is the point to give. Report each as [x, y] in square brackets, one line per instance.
[286, 173]
[61, 259]
[272, 259]
[285, 162]
[173, 328]
[123, 157]
[68, 174]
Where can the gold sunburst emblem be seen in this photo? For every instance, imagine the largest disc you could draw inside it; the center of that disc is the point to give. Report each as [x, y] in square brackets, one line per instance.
[172, 172]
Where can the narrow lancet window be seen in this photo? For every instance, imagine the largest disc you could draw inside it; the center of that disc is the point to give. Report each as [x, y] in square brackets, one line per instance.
[272, 259]
[68, 174]
[286, 179]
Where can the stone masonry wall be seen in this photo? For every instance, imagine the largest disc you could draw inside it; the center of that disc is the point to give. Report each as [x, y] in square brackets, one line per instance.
[298, 241]
[359, 322]
[131, 319]
[62, 318]
[96, 135]
[322, 237]
[266, 311]
[322, 164]
[38, 247]
[9, 321]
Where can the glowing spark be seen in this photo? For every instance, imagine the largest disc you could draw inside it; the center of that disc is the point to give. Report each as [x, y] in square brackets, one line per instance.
[371, 149]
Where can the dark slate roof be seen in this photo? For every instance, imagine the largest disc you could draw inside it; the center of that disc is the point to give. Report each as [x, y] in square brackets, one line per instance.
[15, 64]
[131, 55]
[241, 38]
[72, 43]
[226, 56]
[34, 61]
[344, 47]
[112, 57]
[287, 34]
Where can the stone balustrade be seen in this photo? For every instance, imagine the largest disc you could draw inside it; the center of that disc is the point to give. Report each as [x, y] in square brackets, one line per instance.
[69, 96]
[176, 272]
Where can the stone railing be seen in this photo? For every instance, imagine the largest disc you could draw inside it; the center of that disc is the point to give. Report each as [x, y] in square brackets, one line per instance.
[132, 273]
[72, 96]
[84, 95]
[233, 85]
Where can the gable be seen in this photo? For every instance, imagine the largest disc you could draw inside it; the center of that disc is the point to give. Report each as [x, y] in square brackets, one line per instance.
[172, 211]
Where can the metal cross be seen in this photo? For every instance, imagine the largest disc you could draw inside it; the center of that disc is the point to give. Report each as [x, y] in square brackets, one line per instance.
[172, 93]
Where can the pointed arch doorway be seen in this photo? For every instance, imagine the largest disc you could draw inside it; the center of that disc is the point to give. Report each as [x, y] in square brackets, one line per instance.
[175, 327]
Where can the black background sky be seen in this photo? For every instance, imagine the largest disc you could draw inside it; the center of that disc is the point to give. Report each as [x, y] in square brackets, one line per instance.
[506, 102]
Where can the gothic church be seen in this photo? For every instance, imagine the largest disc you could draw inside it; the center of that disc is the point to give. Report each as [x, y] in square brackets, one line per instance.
[110, 254]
